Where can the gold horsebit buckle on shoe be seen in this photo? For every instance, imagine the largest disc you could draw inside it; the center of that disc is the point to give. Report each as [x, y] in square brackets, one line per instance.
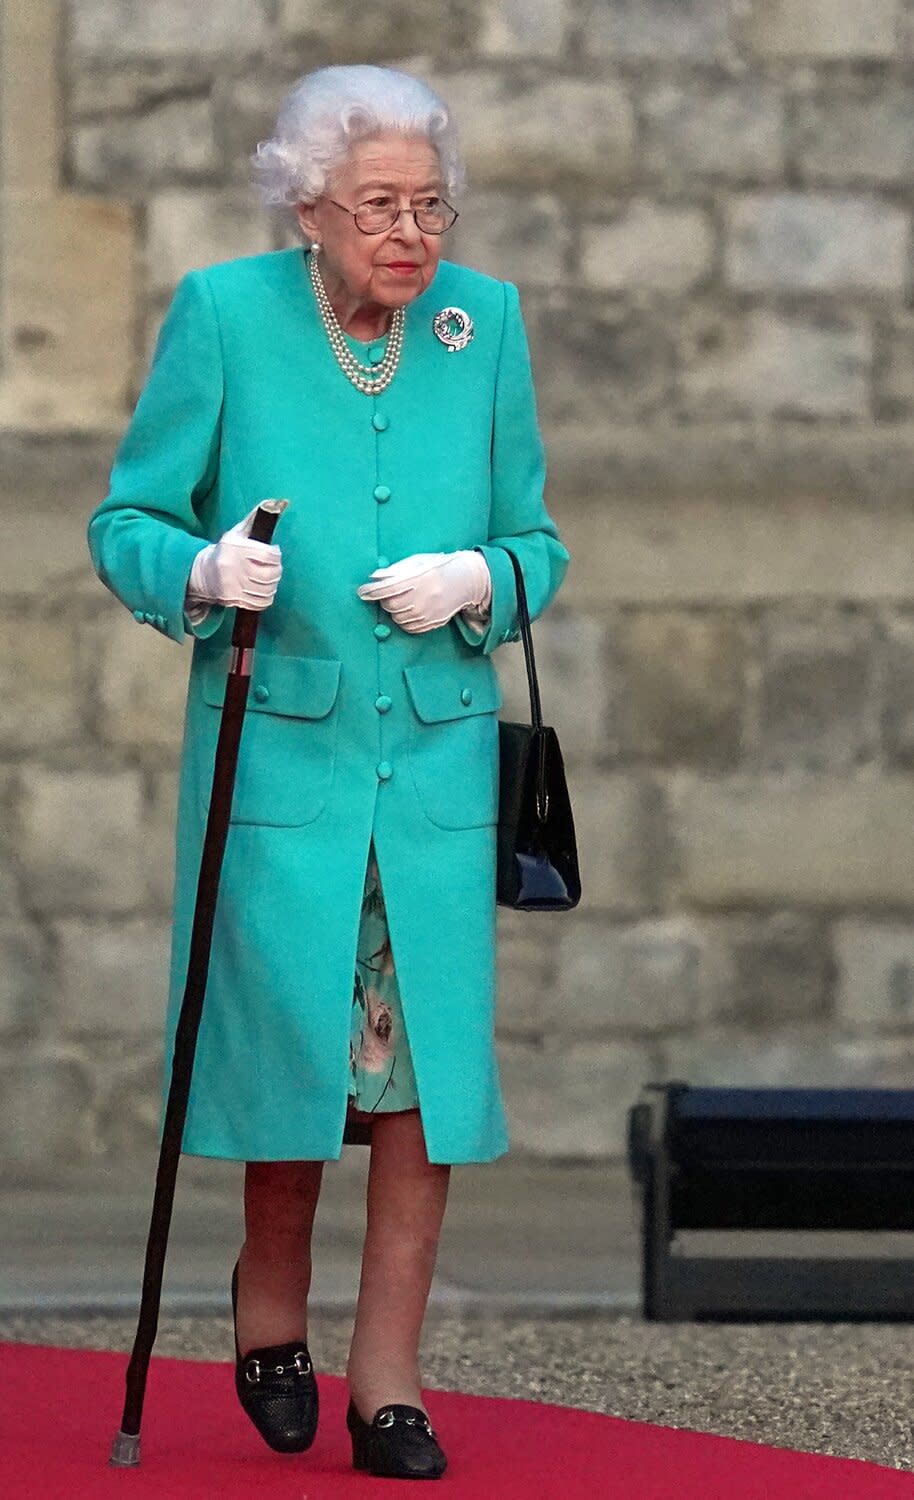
[301, 1365]
[387, 1418]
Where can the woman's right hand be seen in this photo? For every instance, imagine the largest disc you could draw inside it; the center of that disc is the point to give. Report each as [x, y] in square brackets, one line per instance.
[236, 570]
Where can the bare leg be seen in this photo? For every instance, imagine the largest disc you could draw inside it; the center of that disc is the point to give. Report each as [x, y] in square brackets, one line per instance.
[274, 1270]
[407, 1195]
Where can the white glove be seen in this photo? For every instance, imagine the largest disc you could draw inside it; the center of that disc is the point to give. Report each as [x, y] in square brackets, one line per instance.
[427, 589]
[235, 570]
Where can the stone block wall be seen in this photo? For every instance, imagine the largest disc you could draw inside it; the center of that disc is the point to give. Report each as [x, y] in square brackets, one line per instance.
[707, 207]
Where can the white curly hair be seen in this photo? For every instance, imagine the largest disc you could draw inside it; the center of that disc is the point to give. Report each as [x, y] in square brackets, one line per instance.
[330, 108]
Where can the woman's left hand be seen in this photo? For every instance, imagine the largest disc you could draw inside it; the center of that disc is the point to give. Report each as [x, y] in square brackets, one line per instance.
[427, 589]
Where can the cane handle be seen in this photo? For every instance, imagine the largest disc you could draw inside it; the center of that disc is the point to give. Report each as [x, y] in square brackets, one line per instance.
[246, 620]
[268, 513]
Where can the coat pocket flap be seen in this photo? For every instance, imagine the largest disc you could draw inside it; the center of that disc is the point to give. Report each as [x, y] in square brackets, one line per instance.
[453, 690]
[299, 687]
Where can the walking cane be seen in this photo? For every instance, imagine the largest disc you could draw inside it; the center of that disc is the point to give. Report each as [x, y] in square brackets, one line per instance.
[125, 1452]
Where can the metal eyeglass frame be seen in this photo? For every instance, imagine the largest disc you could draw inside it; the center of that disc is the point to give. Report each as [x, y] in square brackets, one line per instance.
[354, 213]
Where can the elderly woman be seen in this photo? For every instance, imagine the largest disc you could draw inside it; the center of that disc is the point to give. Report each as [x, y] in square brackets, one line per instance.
[386, 394]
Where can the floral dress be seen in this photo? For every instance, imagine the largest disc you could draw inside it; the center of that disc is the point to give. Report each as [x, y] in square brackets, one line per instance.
[381, 1073]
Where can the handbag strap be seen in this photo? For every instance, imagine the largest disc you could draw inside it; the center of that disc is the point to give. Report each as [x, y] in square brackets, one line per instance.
[523, 615]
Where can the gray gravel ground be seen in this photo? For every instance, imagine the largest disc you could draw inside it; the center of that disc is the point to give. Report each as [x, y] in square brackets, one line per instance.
[840, 1389]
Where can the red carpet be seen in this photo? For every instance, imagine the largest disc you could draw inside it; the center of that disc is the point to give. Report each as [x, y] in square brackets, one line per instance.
[59, 1409]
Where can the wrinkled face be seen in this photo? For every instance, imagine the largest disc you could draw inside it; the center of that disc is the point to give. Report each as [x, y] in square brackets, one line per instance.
[389, 167]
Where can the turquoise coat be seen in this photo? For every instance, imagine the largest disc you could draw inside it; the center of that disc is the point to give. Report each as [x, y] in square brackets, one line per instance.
[355, 727]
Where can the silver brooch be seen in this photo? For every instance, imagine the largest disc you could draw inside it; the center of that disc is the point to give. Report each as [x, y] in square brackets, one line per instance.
[454, 328]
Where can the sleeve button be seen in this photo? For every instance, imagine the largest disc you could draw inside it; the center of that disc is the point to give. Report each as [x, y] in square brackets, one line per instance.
[466, 696]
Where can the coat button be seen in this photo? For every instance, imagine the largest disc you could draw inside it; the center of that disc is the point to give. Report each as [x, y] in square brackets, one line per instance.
[380, 421]
[376, 353]
[381, 493]
[382, 631]
[385, 770]
[466, 696]
[382, 703]
[383, 562]
[261, 693]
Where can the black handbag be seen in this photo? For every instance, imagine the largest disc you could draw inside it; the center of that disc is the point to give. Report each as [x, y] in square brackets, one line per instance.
[537, 857]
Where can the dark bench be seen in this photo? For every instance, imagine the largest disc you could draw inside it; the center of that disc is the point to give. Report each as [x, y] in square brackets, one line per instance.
[759, 1159]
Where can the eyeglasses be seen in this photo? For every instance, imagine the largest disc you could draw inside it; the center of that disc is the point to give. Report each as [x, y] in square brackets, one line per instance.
[375, 217]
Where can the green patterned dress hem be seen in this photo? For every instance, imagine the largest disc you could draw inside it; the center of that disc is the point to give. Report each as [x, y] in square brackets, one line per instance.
[381, 1076]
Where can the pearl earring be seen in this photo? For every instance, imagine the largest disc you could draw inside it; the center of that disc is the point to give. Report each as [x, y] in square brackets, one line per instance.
[315, 247]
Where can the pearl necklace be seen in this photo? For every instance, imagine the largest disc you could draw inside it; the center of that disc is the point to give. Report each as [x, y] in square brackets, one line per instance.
[367, 378]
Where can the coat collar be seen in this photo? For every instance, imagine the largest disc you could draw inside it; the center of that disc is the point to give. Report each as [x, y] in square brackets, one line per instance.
[418, 312]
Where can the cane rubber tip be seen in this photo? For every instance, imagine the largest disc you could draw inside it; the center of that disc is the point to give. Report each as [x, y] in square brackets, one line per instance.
[125, 1450]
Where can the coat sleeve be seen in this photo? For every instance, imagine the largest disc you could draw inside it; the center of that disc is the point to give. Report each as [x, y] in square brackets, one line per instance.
[145, 534]
[518, 516]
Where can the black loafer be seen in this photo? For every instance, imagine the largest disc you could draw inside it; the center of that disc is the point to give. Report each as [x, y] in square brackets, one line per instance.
[277, 1388]
[398, 1443]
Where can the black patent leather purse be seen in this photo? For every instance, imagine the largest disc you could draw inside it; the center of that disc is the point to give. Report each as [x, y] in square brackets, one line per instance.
[537, 857]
